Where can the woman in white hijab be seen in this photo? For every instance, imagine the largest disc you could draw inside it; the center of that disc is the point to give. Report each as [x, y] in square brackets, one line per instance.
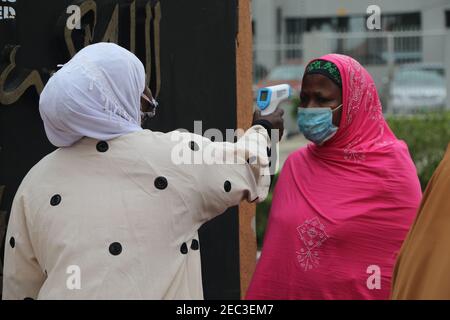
[113, 213]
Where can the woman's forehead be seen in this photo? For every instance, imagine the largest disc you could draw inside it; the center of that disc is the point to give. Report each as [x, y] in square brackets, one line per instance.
[318, 83]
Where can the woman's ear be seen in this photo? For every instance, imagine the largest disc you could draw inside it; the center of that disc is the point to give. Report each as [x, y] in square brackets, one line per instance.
[148, 93]
[148, 105]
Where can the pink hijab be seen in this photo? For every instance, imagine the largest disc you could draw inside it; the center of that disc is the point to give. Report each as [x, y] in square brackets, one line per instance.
[340, 211]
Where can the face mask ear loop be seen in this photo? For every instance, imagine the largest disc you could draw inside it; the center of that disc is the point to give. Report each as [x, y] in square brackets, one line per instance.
[337, 108]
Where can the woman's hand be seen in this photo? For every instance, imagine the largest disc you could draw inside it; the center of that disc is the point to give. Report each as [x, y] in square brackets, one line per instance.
[275, 119]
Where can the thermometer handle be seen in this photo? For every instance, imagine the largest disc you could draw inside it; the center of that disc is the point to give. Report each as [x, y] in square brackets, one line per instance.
[269, 109]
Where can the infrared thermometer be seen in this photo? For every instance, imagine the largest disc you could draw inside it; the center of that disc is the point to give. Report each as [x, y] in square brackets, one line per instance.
[269, 98]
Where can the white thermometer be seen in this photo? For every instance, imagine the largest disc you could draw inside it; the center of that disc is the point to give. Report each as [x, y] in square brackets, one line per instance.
[269, 98]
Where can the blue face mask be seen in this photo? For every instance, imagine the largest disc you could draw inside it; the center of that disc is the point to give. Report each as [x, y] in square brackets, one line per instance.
[316, 124]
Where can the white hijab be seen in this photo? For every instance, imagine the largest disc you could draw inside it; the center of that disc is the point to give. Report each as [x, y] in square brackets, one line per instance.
[96, 94]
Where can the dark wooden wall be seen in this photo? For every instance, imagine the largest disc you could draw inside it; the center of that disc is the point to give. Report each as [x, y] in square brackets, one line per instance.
[189, 50]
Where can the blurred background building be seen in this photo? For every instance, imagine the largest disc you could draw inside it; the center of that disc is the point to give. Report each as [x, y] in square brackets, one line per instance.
[413, 44]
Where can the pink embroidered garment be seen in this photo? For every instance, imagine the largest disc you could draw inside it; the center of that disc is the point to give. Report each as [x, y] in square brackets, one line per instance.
[340, 211]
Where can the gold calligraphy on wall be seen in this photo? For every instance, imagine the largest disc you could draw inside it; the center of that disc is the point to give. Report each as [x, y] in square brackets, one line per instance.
[14, 80]
[19, 86]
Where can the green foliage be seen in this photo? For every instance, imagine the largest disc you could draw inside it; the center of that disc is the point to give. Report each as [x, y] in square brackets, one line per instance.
[295, 102]
[427, 136]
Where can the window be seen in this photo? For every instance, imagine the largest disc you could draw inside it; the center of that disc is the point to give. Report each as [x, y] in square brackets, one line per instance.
[366, 50]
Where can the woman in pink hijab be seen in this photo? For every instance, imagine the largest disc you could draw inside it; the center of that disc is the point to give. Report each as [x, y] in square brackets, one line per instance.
[342, 205]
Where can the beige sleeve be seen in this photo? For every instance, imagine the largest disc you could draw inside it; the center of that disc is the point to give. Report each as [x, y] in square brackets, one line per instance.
[226, 173]
[22, 275]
